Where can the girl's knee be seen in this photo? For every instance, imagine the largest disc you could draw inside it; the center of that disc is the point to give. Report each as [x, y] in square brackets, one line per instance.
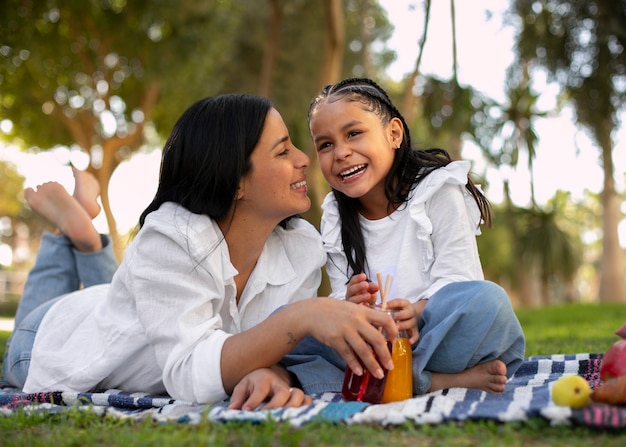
[490, 294]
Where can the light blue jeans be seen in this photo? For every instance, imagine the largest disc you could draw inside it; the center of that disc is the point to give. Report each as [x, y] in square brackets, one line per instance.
[462, 325]
[58, 270]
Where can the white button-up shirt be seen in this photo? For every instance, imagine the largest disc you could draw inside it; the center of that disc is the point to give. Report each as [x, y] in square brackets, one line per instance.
[159, 327]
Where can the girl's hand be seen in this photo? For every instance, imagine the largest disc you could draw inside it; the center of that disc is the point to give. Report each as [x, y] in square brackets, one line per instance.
[360, 291]
[266, 385]
[406, 317]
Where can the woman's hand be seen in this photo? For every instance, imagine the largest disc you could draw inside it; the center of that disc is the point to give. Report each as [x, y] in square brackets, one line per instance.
[354, 331]
[360, 290]
[406, 317]
[266, 385]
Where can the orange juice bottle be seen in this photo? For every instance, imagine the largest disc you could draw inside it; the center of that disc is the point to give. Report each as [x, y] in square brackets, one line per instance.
[399, 384]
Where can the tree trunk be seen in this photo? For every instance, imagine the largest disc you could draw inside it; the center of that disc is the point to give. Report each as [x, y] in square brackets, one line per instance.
[272, 48]
[455, 146]
[408, 100]
[331, 70]
[612, 263]
[335, 41]
[455, 74]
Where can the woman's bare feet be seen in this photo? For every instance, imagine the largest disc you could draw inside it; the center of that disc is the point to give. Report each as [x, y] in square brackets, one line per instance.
[52, 202]
[490, 377]
[86, 191]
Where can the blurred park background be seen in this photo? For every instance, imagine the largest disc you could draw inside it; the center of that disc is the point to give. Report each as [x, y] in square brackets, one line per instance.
[503, 83]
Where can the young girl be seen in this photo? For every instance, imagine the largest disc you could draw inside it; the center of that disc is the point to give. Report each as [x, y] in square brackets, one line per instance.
[212, 291]
[413, 215]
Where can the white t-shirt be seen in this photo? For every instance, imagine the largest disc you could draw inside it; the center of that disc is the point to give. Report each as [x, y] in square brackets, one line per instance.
[159, 327]
[424, 245]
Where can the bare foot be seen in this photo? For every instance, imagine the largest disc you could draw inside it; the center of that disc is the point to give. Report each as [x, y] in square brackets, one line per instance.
[52, 202]
[490, 377]
[86, 191]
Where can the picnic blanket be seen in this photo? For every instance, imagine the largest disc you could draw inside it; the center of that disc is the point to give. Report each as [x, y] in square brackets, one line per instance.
[527, 395]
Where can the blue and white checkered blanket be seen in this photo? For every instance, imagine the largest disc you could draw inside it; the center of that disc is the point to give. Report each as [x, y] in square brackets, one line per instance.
[527, 395]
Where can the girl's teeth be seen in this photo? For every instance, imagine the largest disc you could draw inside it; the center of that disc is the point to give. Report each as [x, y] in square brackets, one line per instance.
[352, 171]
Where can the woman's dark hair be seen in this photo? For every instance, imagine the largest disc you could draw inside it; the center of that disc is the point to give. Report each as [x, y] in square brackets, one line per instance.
[409, 168]
[207, 153]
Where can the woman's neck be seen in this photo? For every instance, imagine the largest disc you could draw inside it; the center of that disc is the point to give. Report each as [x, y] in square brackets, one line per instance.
[245, 239]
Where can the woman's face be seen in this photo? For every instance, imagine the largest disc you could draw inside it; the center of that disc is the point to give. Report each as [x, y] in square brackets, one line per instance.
[275, 187]
[354, 148]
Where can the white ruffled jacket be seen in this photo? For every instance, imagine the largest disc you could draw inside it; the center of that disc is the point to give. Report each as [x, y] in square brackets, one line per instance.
[425, 245]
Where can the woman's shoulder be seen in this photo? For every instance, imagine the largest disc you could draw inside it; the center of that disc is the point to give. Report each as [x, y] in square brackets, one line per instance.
[299, 230]
[300, 237]
[172, 217]
[177, 225]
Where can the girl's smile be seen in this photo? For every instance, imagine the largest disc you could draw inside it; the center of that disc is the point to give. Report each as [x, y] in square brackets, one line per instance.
[351, 173]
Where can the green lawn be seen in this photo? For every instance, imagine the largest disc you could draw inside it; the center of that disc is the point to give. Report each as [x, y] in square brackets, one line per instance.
[563, 329]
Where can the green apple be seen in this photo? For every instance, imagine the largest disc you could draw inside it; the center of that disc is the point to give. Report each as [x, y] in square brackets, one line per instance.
[571, 391]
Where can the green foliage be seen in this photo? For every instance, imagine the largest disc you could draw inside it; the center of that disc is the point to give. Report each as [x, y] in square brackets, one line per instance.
[532, 239]
[581, 44]
[496, 248]
[12, 184]
[86, 59]
[505, 131]
[560, 329]
[73, 58]
[543, 243]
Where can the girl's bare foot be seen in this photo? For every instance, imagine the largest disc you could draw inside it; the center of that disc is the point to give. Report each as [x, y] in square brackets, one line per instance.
[490, 377]
[52, 202]
[86, 191]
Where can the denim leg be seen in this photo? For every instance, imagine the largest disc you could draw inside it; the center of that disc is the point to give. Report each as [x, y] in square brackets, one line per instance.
[53, 274]
[97, 267]
[61, 269]
[18, 353]
[318, 367]
[465, 324]
[58, 270]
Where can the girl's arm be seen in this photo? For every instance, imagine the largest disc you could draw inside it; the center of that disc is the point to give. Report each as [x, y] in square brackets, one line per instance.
[453, 237]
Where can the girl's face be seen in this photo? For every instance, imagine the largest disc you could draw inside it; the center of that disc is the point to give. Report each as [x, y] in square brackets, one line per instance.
[355, 149]
[275, 187]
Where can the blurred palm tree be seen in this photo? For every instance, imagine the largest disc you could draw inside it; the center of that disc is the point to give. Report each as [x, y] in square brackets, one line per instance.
[581, 45]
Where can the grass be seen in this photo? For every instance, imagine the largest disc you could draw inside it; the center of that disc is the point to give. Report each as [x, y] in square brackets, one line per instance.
[561, 329]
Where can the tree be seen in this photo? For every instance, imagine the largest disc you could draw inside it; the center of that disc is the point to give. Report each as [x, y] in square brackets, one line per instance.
[96, 73]
[100, 73]
[409, 98]
[442, 111]
[582, 45]
[16, 221]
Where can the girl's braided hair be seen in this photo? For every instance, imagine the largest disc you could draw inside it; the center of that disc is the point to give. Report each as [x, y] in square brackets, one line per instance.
[409, 168]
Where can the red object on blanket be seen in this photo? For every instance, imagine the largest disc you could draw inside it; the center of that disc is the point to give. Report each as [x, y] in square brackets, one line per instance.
[614, 361]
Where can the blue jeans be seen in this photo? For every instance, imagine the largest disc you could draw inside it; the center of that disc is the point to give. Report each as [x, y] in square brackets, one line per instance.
[58, 270]
[462, 325]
